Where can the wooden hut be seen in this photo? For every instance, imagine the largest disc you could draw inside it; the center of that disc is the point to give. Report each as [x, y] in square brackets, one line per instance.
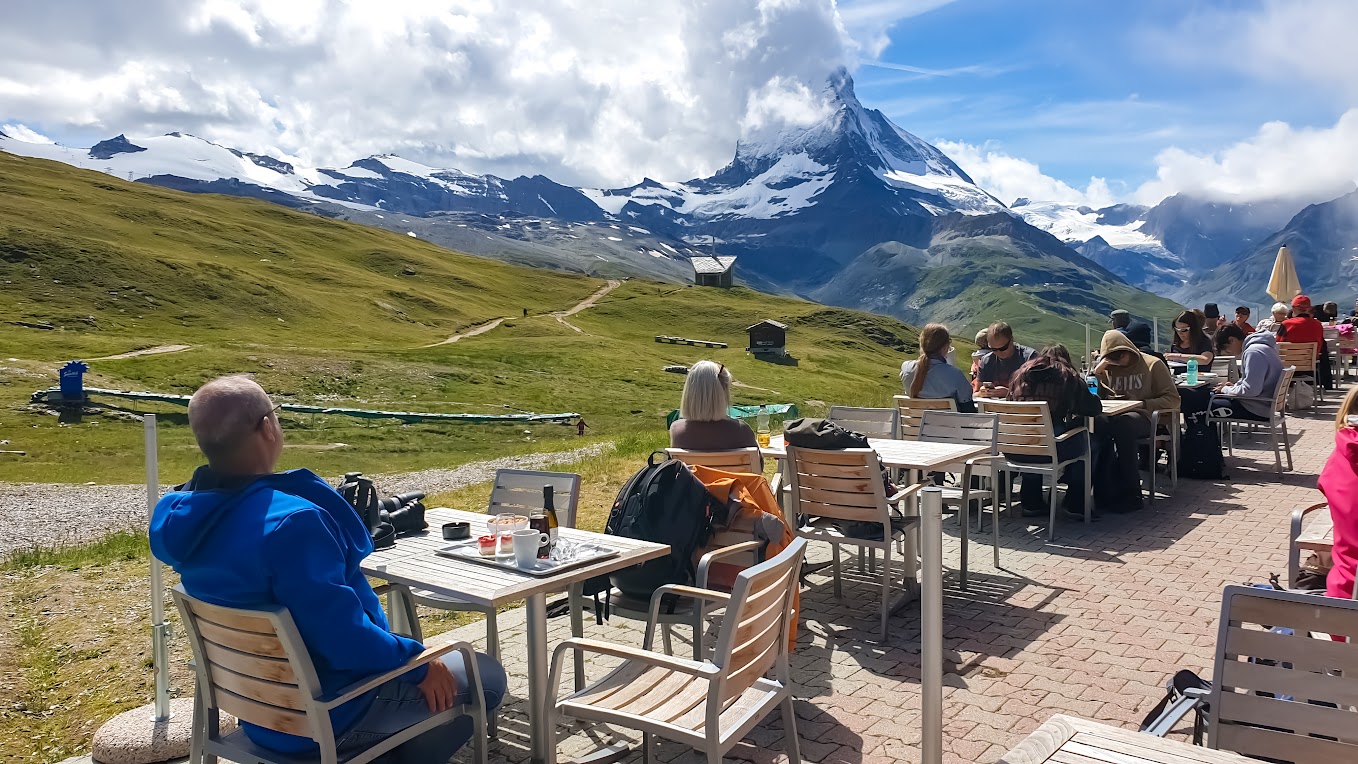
[713, 271]
[768, 336]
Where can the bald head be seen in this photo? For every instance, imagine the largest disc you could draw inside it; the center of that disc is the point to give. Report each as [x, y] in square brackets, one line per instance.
[227, 416]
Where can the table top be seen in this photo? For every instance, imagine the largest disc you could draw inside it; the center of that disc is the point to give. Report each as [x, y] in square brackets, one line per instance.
[1114, 406]
[1317, 533]
[1068, 739]
[414, 562]
[903, 454]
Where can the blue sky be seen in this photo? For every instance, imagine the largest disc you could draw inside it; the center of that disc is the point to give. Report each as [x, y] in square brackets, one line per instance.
[1097, 88]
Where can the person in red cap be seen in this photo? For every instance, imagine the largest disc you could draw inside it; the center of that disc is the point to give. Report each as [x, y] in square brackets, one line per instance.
[1301, 327]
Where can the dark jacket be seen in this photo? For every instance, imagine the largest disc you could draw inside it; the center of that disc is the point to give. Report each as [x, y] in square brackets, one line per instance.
[285, 539]
[1067, 395]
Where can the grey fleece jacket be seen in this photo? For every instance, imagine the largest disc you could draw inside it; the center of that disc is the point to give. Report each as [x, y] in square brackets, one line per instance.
[1261, 369]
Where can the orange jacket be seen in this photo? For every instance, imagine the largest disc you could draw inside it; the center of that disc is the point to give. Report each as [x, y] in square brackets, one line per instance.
[755, 499]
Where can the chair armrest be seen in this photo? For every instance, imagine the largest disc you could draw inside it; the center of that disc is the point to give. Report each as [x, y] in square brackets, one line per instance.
[1068, 434]
[373, 682]
[681, 665]
[706, 562]
[776, 484]
[689, 591]
[987, 458]
[904, 492]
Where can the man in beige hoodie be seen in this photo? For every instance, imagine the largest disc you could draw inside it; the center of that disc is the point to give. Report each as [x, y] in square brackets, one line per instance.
[1125, 372]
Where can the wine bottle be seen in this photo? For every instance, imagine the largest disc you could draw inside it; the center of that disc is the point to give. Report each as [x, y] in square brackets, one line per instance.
[549, 506]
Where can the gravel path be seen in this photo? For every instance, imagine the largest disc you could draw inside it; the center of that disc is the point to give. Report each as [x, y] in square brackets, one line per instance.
[65, 513]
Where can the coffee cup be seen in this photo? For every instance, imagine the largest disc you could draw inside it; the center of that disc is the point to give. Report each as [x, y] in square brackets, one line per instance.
[457, 530]
[526, 543]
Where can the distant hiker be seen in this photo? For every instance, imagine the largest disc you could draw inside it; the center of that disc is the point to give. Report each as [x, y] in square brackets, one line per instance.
[525, 313]
[241, 535]
[1120, 319]
[992, 376]
[931, 376]
[580, 427]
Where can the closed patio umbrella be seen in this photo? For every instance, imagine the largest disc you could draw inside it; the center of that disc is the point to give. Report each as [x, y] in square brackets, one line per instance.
[1283, 285]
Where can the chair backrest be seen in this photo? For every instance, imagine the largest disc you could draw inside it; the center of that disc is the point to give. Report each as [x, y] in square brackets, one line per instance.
[1299, 354]
[755, 629]
[911, 411]
[253, 665]
[1227, 366]
[734, 460]
[1254, 660]
[521, 491]
[874, 423]
[1025, 427]
[840, 485]
[1284, 385]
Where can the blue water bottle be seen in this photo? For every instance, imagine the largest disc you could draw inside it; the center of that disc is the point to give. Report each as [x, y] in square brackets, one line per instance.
[1192, 378]
[1093, 383]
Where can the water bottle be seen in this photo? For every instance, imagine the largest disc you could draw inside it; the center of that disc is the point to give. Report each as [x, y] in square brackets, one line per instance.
[1192, 378]
[762, 427]
[1093, 383]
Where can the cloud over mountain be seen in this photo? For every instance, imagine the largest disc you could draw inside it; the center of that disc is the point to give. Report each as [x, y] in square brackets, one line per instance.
[593, 93]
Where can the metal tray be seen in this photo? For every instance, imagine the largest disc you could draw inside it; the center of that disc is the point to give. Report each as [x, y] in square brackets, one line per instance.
[585, 554]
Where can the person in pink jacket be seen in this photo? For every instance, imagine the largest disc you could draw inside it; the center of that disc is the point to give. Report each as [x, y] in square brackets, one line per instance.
[1339, 482]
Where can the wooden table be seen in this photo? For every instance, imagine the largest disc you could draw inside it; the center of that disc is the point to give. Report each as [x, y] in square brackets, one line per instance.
[1112, 406]
[1317, 535]
[414, 563]
[1068, 740]
[903, 454]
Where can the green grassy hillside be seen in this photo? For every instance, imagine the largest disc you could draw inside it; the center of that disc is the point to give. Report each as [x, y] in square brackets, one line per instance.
[325, 311]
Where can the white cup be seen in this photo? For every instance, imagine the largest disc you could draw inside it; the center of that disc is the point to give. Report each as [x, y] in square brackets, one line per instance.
[526, 543]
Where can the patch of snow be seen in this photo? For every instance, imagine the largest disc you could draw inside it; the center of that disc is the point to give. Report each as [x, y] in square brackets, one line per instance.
[615, 238]
[638, 230]
[411, 234]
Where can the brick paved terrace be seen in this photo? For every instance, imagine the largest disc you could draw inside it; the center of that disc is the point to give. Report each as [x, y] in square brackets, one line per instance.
[1090, 625]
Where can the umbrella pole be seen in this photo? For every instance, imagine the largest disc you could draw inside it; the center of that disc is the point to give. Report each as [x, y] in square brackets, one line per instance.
[160, 629]
[1155, 340]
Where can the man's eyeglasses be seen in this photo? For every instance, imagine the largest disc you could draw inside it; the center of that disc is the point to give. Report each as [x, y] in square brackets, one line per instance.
[273, 411]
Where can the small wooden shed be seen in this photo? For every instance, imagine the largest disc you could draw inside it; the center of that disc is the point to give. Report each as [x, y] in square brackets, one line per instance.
[713, 271]
[768, 336]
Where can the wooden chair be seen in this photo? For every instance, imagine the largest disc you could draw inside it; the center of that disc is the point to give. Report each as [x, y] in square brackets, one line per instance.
[1266, 684]
[874, 423]
[1294, 534]
[1347, 349]
[253, 665]
[517, 491]
[1026, 429]
[1302, 357]
[835, 487]
[710, 705]
[1277, 421]
[911, 412]
[969, 429]
[735, 460]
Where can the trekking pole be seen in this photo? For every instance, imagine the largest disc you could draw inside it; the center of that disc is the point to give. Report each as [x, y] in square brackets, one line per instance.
[160, 628]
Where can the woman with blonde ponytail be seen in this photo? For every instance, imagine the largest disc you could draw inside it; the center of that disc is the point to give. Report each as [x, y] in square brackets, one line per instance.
[931, 376]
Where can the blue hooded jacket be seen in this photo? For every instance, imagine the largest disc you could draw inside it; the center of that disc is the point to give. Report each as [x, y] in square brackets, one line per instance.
[285, 539]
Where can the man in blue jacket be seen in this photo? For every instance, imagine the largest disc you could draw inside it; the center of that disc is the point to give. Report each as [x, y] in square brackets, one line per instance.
[241, 535]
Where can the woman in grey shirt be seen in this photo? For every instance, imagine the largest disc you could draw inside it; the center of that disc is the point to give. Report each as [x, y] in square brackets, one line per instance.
[931, 376]
[703, 424]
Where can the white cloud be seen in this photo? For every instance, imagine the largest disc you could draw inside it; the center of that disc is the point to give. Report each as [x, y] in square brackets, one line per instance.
[24, 133]
[869, 22]
[1009, 178]
[594, 93]
[1279, 161]
[1292, 42]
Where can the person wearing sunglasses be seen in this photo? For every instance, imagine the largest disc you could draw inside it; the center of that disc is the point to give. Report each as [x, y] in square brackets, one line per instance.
[242, 535]
[1190, 342]
[992, 376]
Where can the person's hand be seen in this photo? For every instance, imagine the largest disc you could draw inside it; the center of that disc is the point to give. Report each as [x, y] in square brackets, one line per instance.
[439, 687]
[1220, 386]
[1101, 366]
[999, 392]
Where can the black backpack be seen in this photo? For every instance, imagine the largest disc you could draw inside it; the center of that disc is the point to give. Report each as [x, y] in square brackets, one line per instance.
[663, 503]
[1200, 450]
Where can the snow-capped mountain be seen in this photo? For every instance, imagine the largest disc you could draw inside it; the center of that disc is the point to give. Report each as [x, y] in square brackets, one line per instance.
[1112, 237]
[796, 205]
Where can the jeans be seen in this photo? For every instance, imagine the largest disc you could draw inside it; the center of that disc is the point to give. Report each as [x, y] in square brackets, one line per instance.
[399, 704]
[1122, 432]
